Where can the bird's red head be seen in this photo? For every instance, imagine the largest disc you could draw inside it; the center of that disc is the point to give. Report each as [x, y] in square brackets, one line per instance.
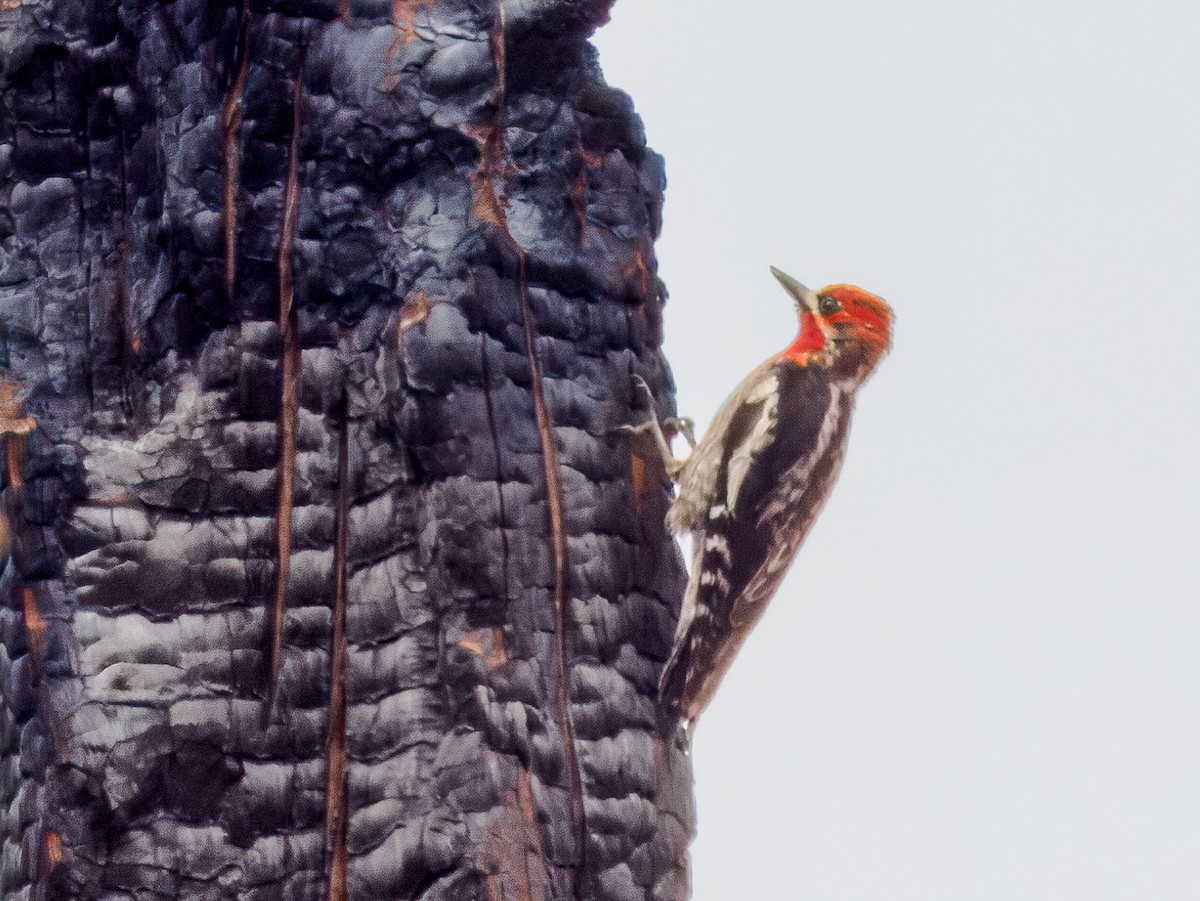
[838, 321]
[855, 314]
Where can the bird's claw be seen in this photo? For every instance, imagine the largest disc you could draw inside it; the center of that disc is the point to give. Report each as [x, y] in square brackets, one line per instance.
[683, 425]
[680, 426]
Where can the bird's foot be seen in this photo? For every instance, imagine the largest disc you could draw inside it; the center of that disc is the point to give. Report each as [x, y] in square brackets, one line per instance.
[682, 425]
[659, 431]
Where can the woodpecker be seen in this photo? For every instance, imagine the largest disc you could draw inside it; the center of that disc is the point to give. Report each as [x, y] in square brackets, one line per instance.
[751, 489]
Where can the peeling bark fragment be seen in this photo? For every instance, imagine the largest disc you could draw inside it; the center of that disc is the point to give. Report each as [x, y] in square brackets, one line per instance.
[388, 267]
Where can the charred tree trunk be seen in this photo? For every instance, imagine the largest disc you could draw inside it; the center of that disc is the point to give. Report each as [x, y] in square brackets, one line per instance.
[325, 576]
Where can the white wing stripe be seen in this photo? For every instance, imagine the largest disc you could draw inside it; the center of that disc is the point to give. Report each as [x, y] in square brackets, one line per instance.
[744, 456]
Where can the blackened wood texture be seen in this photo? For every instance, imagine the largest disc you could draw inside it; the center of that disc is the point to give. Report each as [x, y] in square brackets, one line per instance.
[326, 576]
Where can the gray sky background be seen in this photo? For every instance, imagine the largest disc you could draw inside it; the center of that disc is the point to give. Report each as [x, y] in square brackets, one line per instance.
[982, 678]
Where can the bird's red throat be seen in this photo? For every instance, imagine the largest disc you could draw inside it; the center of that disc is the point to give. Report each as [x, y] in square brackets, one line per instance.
[810, 341]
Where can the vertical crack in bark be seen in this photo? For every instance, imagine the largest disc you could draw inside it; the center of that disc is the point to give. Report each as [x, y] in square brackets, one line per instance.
[491, 418]
[128, 342]
[336, 801]
[89, 373]
[289, 401]
[82, 193]
[232, 115]
[490, 206]
[529, 816]
[558, 545]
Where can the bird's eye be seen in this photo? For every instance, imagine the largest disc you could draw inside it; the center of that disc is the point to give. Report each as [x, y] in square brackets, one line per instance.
[827, 305]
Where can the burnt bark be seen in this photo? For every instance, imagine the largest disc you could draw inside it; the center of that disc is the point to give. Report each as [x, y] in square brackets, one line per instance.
[325, 575]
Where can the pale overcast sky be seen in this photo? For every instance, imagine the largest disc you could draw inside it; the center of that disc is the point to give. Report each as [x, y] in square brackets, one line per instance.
[981, 681]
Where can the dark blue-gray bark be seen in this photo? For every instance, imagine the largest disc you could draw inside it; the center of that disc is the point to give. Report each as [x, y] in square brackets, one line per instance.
[325, 574]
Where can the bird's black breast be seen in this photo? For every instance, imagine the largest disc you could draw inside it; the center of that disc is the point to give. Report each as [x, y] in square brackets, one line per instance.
[808, 434]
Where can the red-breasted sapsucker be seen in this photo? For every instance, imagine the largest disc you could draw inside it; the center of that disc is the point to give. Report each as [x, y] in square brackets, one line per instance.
[750, 491]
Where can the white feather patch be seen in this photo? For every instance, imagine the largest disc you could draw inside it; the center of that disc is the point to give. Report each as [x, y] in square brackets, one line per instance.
[719, 544]
[740, 461]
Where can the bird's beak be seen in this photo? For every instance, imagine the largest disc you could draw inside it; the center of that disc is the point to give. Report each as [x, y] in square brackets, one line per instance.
[806, 298]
